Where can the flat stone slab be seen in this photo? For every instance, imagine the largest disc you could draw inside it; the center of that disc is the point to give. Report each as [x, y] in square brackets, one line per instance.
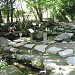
[10, 49]
[18, 44]
[66, 45]
[14, 50]
[40, 48]
[50, 42]
[71, 60]
[66, 53]
[54, 50]
[4, 41]
[22, 39]
[11, 43]
[23, 57]
[63, 42]
[29, 45]
[63, 36]
[50, 65]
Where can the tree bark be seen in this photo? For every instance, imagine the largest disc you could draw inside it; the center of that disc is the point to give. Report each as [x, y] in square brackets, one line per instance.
[39, 13]
[7, 11]
[12, 10]
[1, 21]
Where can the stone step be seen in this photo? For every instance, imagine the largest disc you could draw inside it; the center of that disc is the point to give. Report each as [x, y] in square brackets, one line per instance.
[54, 50]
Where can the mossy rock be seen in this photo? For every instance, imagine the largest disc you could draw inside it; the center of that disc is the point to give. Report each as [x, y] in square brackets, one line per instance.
[11, 70]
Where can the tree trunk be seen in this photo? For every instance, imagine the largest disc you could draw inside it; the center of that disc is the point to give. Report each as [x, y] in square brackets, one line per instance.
[12, 10]
[1, 21]
[7, 11]
[39, 13]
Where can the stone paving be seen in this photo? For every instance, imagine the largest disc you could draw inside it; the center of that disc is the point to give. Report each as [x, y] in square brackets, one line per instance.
[59, 50]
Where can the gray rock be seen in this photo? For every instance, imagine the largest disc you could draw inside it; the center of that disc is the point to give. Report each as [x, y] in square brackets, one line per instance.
[48, 63]
[18, 44]
[37, 62]
[51, 42]
[10, 70]
[22, 39]
[29, 45]
[60, 29]
[71, 60]
[23, 57]
[11, 43]
[10, 49]
[63, 42]
[63, 36]
[4, 41]
[40, 48]
[54, 50]
[66, 45]
[66, 53]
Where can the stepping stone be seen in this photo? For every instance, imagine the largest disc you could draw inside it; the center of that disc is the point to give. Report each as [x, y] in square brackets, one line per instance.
[27, 57]
[11, 43]
[19, 44]
[71, 60]
[51, 42]
[66, 45]
[23, 57]
[40, 48]
[50, 65]
[37, 62]
[22, 39]
[63, 36]
[14, 50]
[29, 45]
[10, 49]
[66, 53]
[54, 50]
[60, 29]
[4, 41]
[63, 42]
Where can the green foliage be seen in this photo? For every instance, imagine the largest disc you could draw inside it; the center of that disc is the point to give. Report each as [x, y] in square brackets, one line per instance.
[3, 64]
[59, 9]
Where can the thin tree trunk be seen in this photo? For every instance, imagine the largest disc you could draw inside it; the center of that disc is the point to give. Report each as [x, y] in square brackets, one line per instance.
[1, 21]
[39, 13]
[12, 10]
[7, 11]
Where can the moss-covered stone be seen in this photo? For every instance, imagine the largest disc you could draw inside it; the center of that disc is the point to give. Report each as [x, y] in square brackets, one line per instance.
[11, 70]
